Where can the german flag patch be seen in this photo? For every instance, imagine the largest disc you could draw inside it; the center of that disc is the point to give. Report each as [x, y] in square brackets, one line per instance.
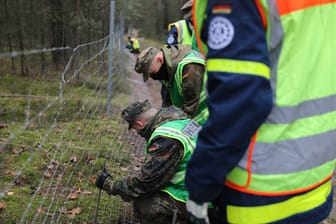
[222, 9]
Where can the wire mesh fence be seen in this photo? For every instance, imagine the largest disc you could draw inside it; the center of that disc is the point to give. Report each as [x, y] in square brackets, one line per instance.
[55, 136]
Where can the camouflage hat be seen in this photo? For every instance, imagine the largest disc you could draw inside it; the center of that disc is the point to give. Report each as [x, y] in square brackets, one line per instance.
[134, 110]
[186, 9]
[144, 61]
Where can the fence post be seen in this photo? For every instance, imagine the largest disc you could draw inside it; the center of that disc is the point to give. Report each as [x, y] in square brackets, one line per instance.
[110, 58]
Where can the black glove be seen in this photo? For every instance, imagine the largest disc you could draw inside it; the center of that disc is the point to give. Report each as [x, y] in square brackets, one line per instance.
[101, 177]
[197, 212]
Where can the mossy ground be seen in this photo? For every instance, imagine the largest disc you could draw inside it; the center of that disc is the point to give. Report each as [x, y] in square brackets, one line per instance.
[54, 138]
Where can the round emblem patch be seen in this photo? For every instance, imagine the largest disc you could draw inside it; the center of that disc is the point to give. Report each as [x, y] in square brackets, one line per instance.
[221, 33]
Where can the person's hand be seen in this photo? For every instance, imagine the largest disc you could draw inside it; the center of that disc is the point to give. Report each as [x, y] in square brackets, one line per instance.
[101, 178]
[197, 212]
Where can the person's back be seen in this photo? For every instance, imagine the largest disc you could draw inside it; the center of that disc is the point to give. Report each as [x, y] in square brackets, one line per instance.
[180, 32]
[182, 72]
[178, 86]
[277, 166]
[133, 45]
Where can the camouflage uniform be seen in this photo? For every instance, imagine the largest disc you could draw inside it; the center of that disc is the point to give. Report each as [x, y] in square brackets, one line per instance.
[144, 190]
[192, 75]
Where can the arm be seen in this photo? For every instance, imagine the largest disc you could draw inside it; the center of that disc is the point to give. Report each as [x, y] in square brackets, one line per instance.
[192, 82]
[238, 102]
[160, 165]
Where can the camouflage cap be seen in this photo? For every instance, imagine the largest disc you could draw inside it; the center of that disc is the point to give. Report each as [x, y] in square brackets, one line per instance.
[134, 110]
[186, 9]
[144, 61]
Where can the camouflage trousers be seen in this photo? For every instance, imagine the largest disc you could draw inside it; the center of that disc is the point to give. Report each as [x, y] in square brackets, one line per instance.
[160, 208]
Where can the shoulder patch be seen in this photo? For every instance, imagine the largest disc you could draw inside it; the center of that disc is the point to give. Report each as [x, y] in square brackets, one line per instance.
[192, 129]
[221, 32]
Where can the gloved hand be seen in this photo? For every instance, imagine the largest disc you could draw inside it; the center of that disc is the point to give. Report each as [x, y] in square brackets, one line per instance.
[197, 212]
[101, 178]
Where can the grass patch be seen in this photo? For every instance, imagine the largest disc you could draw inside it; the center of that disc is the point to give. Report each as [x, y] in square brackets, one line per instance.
[54, 138]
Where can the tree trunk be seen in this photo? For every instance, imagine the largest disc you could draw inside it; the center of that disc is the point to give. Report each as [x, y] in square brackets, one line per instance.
[165, 14]
[89, 30]
[57, 32]
[9, 37]
[77, 31]
[42, 36]
[33, 26]
[24, 70]
[158, 18]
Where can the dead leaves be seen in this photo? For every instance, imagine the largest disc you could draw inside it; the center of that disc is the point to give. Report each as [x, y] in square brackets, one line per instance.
[47, 174]
[3, 205]
[93, 179]
[41, 210]
[73, 159]
[63, 210]
[10, 172]
[50, 167]
[73, 196]
[73, 212]
[77, 193]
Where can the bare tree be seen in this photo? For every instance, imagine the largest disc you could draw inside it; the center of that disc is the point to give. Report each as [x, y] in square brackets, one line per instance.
[24, 70]
[42, 37]
[57, 31]
[9, 37]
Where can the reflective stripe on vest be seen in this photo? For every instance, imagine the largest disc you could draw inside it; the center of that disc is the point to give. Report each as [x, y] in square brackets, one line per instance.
[294, 150]
[235, 66]
[180, 33]
[270, 213]
[174, 130]
[176, 90]
[197, 18]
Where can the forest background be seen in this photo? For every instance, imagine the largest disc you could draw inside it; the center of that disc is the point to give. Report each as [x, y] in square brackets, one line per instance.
[55, 134]
[38, 24]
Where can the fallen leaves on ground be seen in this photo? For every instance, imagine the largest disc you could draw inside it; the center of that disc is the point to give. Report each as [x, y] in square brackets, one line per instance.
[72, 213]
[73, 196]
[41, 210]
[3, 205]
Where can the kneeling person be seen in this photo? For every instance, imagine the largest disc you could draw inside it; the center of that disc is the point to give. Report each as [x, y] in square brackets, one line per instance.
[157, 191]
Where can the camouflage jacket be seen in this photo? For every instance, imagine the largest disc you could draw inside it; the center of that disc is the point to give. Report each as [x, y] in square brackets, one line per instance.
[192, 77]
[161, 162]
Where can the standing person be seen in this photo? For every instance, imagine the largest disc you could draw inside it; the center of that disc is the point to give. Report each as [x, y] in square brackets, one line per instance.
[267, 151]
[180, 32]
[182, 72]
[157, 191]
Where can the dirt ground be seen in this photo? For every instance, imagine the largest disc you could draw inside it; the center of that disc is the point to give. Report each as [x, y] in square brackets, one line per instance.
[151, 90]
